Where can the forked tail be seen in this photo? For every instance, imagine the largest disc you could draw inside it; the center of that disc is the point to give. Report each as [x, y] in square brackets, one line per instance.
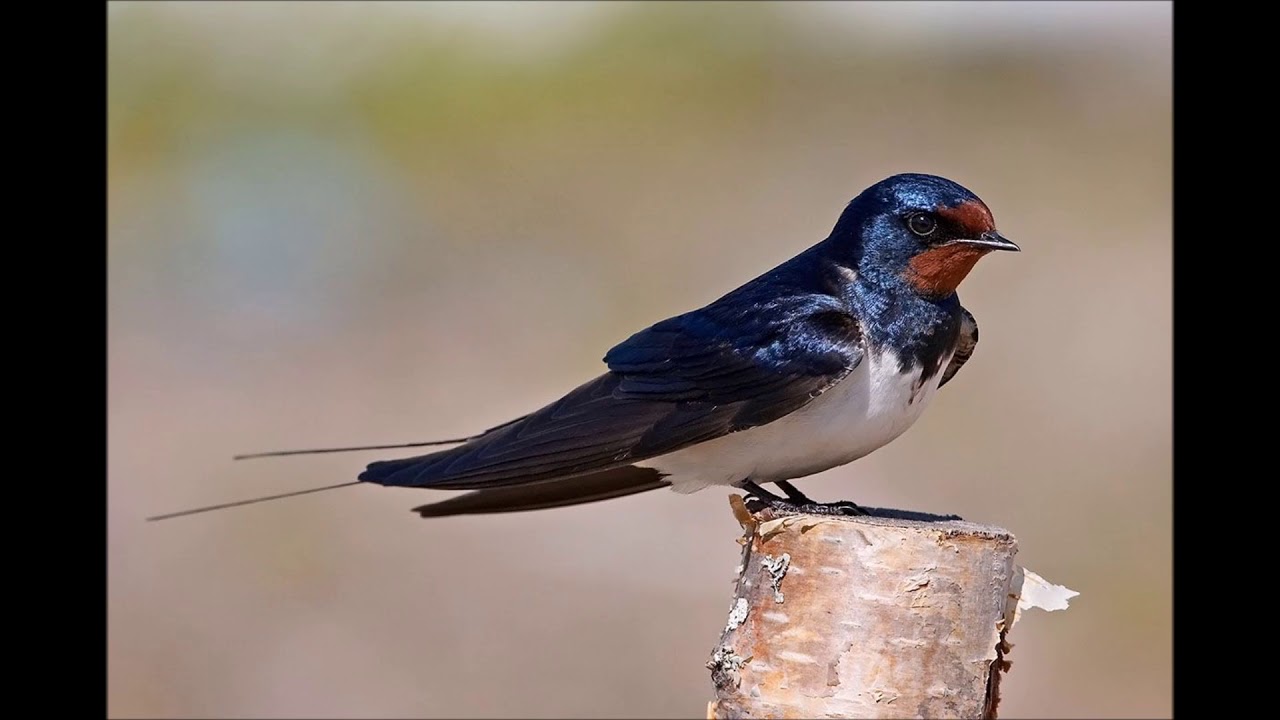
[251, 501]
[317, 451]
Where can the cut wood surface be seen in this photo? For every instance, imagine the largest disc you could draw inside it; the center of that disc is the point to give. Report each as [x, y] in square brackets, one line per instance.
[896, 614]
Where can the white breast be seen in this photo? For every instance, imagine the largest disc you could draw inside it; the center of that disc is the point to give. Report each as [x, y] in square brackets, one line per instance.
[869, 408]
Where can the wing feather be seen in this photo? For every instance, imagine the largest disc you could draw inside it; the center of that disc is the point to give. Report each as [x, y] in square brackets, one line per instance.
[685, 380]
[964, 347]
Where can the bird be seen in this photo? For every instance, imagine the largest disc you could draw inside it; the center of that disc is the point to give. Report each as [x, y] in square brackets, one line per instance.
[812, 365]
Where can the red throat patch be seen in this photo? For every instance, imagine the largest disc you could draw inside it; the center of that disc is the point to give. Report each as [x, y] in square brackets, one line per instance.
[939, 271]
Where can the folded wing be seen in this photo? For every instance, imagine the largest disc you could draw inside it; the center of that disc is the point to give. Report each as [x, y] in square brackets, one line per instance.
[682, 381]
[964, 347]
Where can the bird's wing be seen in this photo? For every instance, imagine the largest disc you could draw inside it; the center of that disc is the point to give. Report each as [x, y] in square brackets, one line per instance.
[685, 380]
[964, 346]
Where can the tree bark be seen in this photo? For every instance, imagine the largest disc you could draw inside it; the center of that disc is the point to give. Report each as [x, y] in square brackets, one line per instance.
[893, 615]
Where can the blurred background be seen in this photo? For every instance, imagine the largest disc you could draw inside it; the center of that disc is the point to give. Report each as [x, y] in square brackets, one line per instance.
[352, 223]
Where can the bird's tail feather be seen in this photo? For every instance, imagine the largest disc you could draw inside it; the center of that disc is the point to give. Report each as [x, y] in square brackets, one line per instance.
[425, 443]
[544, 494]
[250, 501]
[316, 451]
[594, 487]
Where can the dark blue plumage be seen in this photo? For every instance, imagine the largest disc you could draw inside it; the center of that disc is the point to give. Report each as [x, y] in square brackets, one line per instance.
[750, 357]
[894, 314]
[814, 363]
[745, 360]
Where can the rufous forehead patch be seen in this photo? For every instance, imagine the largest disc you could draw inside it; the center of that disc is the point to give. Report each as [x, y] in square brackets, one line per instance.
[972, 216]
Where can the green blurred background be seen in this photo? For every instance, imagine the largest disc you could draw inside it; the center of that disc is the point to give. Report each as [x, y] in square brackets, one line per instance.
[355, 223]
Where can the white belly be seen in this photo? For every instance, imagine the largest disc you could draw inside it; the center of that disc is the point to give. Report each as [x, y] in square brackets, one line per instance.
[869, 408]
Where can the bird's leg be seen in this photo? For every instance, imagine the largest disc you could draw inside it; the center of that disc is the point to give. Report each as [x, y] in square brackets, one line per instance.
[795, 501]
[793, 493]
[759, 493]
[805, 504]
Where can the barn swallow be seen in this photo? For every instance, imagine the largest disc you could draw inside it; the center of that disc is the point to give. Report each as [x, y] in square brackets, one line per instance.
[812, 365]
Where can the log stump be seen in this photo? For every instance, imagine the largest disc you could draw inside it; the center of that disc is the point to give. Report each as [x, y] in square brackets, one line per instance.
[895, 614]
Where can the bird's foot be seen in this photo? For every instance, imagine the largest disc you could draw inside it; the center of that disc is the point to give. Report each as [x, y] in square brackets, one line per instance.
[842, 508]
[796, 502]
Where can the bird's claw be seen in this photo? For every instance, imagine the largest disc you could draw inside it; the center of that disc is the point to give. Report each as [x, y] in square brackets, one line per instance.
[846, 508]
[841, 508]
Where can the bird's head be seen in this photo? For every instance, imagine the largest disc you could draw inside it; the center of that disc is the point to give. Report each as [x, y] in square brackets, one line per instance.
[921, 229]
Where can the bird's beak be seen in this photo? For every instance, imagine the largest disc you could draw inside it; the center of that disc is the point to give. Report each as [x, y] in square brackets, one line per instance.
[992, 240]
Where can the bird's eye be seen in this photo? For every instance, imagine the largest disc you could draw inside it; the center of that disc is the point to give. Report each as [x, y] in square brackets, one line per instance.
[921, 224]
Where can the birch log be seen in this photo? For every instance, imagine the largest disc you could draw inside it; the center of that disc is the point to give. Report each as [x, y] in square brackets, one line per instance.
[892, 615]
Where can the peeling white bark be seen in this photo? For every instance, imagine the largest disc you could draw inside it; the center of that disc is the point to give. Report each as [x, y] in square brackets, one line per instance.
[866, 617]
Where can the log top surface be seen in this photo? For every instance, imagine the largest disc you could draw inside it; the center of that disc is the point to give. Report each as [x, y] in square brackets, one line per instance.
[889, 517]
